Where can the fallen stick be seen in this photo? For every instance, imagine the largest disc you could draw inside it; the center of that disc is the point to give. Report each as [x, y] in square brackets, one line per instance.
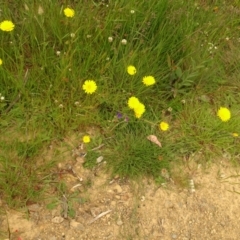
[99, 216]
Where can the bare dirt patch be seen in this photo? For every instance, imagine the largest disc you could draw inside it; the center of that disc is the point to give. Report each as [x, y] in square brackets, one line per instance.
[114, 208]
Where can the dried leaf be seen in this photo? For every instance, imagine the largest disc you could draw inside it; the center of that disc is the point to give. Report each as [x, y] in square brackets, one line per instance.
[154, 139]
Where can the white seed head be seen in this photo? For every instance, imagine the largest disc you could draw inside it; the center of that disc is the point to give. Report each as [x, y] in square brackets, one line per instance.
[110, 39]
[124, 41]
[132, 11]
[2, 98]
[72, 35]
[58, 53]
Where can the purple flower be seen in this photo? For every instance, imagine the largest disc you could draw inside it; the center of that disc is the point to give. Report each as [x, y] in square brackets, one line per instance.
[119, 115]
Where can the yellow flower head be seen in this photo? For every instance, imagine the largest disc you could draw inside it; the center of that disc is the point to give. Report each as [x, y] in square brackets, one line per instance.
[133, 102]
[7, 26]
[89, 86]
[1, 61]
[149, 80]
[224, 114]
[235, 134]
[69, 12]
[164, 126]
[139, 110]
[131, 70]
[86, 139]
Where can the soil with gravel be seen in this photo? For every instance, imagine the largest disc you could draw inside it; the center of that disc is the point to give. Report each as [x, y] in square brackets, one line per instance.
[100, 207]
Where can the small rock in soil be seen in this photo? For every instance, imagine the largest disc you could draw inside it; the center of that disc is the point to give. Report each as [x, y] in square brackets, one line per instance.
[57, 220]
[117, 188]
[174, 236]
[77, 225]
[119, 222]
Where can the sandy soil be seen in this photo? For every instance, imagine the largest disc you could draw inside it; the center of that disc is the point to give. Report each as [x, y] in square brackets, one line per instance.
[207, 207]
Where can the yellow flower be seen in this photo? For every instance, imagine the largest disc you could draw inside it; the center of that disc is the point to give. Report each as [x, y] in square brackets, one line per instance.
[86, 139]
[133, 102]
[235, 134]
[164, 126]
[224, 114]
[69, 12]
[89, 86]
[7, 26]
[131, 70]
[1, 61]
[149, 80]
[139, 110]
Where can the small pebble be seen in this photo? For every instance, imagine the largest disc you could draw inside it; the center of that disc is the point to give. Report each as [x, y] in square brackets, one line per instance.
[174, 236]
[57, 220]
[99, 159]
[117, 188]
[119, 222]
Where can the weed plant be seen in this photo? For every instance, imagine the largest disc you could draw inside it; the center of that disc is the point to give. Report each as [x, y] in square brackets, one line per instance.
[65, 68]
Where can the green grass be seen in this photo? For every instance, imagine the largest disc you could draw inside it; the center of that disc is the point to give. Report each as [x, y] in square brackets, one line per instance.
[190, 47]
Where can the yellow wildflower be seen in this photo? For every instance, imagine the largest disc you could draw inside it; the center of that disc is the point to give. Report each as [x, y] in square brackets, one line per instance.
[139, 110]
[1, 61]
[86, 139]
[164, 126]
[69, 12]
[7, 26]
[149, 80]
[224, 114]
[131, 70]
[133, 102]
[235, 134]
[89, 86]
